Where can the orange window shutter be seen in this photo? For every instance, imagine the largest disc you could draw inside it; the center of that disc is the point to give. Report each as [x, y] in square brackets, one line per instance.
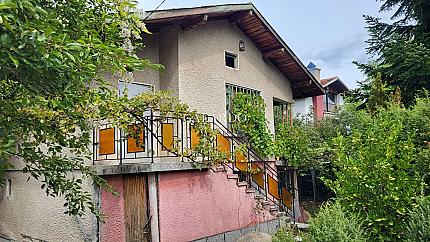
[168, 136]
[287, 198]
[258, 177]
[107, 141]
[195, 140]
[273, 187]
[240, 160]
[134, 146]
[223, 144]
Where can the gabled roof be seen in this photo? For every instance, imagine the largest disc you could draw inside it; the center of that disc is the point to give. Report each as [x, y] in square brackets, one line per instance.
[252, 24]
[336, 83]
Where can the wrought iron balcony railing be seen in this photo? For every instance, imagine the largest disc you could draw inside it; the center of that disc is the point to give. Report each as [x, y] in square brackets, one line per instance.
[162, 139]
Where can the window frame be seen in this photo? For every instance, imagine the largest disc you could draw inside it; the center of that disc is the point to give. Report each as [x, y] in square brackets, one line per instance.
[151, 86]
[229, 101]
[236, 59]
[286, 111]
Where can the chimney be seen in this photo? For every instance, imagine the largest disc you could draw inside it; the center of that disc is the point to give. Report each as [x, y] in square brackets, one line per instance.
[315, 71]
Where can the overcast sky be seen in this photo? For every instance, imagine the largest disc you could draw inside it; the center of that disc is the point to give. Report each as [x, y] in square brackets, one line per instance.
[330, 33]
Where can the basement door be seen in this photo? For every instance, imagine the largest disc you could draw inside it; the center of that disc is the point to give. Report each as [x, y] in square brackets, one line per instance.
[137, 227]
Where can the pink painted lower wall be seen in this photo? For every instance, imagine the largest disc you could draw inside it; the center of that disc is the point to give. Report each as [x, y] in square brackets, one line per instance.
[113, 229]
[197, 204]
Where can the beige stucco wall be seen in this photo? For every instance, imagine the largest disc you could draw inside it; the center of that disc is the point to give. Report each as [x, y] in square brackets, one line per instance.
[168, 53]
[203, 74]
[151, 52]
[30, 212]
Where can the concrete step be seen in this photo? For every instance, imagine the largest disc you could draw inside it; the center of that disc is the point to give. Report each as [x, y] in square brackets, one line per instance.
[250, 190]
[233, 176]
[242, 184]
[273, 208]
[258, 196]
[265, 203]
[220, 169]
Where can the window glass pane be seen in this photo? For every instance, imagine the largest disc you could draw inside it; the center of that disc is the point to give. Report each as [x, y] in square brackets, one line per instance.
[230, 60]
[133, 89]
[331, 98]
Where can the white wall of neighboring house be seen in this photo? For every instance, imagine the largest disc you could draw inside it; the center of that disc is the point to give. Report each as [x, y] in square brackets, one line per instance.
[339, 100]
[302, 107]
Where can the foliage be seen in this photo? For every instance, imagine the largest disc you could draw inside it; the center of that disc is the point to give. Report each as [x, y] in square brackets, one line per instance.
[52, 54]
[335, 225]
[292, 143]
[250, 120]
[60, 61]
[402, 48]
[283, 235]
[377, 171]
[418, 224]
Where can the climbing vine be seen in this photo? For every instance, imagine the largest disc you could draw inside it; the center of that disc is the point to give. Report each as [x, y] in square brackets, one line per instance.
[250, 121]
[290, 142]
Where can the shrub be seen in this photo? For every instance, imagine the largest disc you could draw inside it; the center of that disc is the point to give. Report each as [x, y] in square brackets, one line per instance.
[418, 226]
[376, 171]
[332, 224]
[283, 235]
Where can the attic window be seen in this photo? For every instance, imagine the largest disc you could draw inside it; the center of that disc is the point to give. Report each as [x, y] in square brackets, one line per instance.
[231, 60]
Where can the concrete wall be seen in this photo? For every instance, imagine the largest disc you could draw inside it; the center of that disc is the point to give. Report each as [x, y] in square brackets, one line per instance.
[193, 205]
[29, 212]
[269, 227]
[203, 74]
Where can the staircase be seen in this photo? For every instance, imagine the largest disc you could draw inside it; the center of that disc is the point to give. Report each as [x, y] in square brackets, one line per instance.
[168, 137]
[272, 207]
[261, 180]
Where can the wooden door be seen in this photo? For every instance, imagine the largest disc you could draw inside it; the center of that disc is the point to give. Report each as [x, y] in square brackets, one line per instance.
[136, 208]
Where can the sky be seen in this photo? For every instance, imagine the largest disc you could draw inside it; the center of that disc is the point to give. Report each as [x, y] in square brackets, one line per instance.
[330, 33]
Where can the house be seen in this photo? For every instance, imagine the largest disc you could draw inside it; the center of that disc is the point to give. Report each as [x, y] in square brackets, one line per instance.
[210, 54]
[322, 105]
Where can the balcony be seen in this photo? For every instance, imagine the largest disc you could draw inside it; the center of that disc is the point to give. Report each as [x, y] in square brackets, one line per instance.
[164, 144]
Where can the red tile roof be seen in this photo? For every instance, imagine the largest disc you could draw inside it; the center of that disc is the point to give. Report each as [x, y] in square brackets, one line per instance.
[335, 82]
[327, 80]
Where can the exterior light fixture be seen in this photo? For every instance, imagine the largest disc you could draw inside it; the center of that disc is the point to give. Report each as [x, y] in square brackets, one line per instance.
[241, 45]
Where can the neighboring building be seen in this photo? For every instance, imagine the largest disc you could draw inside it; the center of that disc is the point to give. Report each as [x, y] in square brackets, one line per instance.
[322, 105]
[210, 54]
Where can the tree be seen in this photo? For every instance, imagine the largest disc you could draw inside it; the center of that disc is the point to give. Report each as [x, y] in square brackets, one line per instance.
[402, 49]
[53, 59]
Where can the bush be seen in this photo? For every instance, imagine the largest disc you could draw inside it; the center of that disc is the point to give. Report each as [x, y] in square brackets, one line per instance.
[283, 235]
[332, 224]
[418, 226]
[377, 170]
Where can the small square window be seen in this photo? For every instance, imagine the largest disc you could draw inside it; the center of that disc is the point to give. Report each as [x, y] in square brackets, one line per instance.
[231, 60]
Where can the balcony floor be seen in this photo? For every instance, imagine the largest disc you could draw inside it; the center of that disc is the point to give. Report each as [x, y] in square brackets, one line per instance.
[112, 167]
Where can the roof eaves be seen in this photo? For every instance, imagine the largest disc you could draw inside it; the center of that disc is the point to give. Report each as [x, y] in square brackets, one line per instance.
[164, 13]
[335, 80]
[312, 78]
